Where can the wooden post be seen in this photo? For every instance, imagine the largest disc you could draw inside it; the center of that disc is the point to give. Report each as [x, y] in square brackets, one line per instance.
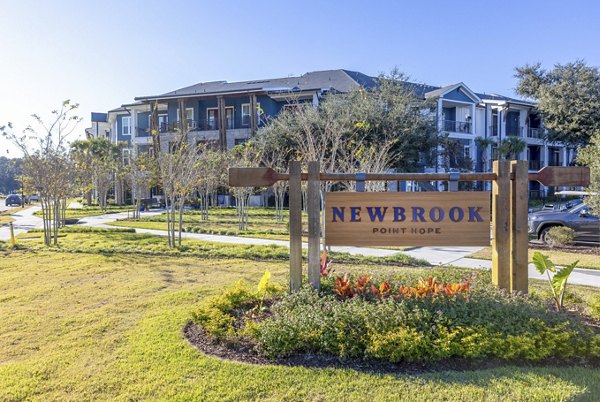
[501, 225]
[13, 242]
[518, 223]
[313, 196]
[295, 205]
[222, 121]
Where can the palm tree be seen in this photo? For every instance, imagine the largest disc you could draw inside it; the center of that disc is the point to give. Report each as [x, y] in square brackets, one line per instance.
[483, 143]
[511, 147]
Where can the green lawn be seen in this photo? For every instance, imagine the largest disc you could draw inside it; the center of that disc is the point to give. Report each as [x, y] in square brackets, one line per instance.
[558, 257]
[76, 213]
[82, 326]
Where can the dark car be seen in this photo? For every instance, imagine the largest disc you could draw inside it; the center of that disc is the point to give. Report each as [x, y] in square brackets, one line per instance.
[578, 218]
[13, 199]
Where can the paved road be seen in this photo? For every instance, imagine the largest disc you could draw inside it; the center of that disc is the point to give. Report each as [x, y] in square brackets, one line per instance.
[445, 256]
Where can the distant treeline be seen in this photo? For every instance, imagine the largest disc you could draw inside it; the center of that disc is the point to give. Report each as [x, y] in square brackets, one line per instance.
[10, 172]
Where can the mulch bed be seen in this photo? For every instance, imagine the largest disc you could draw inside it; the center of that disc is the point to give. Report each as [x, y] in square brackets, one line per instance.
[567, 249]
[244, 351]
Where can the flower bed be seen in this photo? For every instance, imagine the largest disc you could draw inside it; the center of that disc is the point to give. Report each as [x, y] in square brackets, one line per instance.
[422, 320]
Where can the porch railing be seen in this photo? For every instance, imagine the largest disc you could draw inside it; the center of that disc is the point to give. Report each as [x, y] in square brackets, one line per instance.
[456, 126]
[534, 132]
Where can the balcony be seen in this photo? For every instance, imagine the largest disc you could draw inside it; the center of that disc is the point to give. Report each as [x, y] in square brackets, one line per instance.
[534, 132]
[456, 126]
[514, 131]
[142, 132]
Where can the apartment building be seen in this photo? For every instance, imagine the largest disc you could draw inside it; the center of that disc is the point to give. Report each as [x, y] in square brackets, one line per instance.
[227, 114]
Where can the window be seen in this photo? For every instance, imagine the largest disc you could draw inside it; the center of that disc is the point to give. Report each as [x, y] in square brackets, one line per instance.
[246, 113]
[126, 125]
[229, 117]
[126, 156]
[240, 141]
[467, 152]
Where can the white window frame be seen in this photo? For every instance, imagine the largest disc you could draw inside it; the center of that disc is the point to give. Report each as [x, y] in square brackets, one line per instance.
[467, 151]
[257, 113]
[128, 125]
[126, 154]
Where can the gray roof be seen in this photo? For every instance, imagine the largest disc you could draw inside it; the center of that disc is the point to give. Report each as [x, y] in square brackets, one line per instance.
[337, 80]
[497, 97]
[334, 80]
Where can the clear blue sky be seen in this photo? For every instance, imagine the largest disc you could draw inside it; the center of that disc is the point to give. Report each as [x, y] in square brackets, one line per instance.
[104, 53]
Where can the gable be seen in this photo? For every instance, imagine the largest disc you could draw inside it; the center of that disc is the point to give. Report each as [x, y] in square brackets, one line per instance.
[457, 94]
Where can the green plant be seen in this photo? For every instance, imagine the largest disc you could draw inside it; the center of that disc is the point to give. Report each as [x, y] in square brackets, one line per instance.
[489, 323]
[560, 236]
[558, 282]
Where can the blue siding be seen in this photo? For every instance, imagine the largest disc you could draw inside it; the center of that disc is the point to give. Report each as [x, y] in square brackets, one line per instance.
[457, 96]
[120, 136]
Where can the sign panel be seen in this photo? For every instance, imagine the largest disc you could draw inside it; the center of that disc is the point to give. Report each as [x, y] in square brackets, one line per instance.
[460, 218]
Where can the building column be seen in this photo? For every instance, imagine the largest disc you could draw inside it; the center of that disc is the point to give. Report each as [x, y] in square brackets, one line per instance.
[222, 123]
[253, 115]
[473, 118]
[563, 156]
[134, 124]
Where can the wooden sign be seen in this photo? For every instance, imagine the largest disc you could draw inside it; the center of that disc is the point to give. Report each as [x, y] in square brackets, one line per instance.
[407, 219]
[562, 176]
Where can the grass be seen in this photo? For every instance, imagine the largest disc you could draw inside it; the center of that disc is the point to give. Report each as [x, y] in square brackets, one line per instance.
[122, 241]
[77, 213]
[558, 257]
[108, 327]
[223, 221]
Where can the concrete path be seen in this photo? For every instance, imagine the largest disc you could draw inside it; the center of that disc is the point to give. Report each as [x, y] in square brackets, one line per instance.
[454, 256]
[24, 220]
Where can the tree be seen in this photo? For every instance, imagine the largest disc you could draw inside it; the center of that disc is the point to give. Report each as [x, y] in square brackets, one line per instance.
[10, 174]
[214, 165]
[511, 147]
[97, 160]
[46, 163]
[179, 167]
[243, 155]
[483, 144]
[590, 156]
[275, 152]
[140, 174]
[568, 99]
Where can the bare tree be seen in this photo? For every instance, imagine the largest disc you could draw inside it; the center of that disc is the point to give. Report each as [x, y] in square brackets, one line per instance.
[244, 155]
[140, 174]
[47, 164]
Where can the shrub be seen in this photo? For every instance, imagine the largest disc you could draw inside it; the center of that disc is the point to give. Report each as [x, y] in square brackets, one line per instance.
[560, 236]
[217, 315]
[487, 323]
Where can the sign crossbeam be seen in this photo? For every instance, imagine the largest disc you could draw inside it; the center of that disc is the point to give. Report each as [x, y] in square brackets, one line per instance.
[548, 176]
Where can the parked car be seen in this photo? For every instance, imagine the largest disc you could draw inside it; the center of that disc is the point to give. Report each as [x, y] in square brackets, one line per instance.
[578, 218]
[34, 198]
[13, 200]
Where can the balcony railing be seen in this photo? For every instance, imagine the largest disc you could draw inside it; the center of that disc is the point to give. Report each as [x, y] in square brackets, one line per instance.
[494, 131]
[534, 165]
[514, 131]
[534, 132]
[142, 132]
[456, 126]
